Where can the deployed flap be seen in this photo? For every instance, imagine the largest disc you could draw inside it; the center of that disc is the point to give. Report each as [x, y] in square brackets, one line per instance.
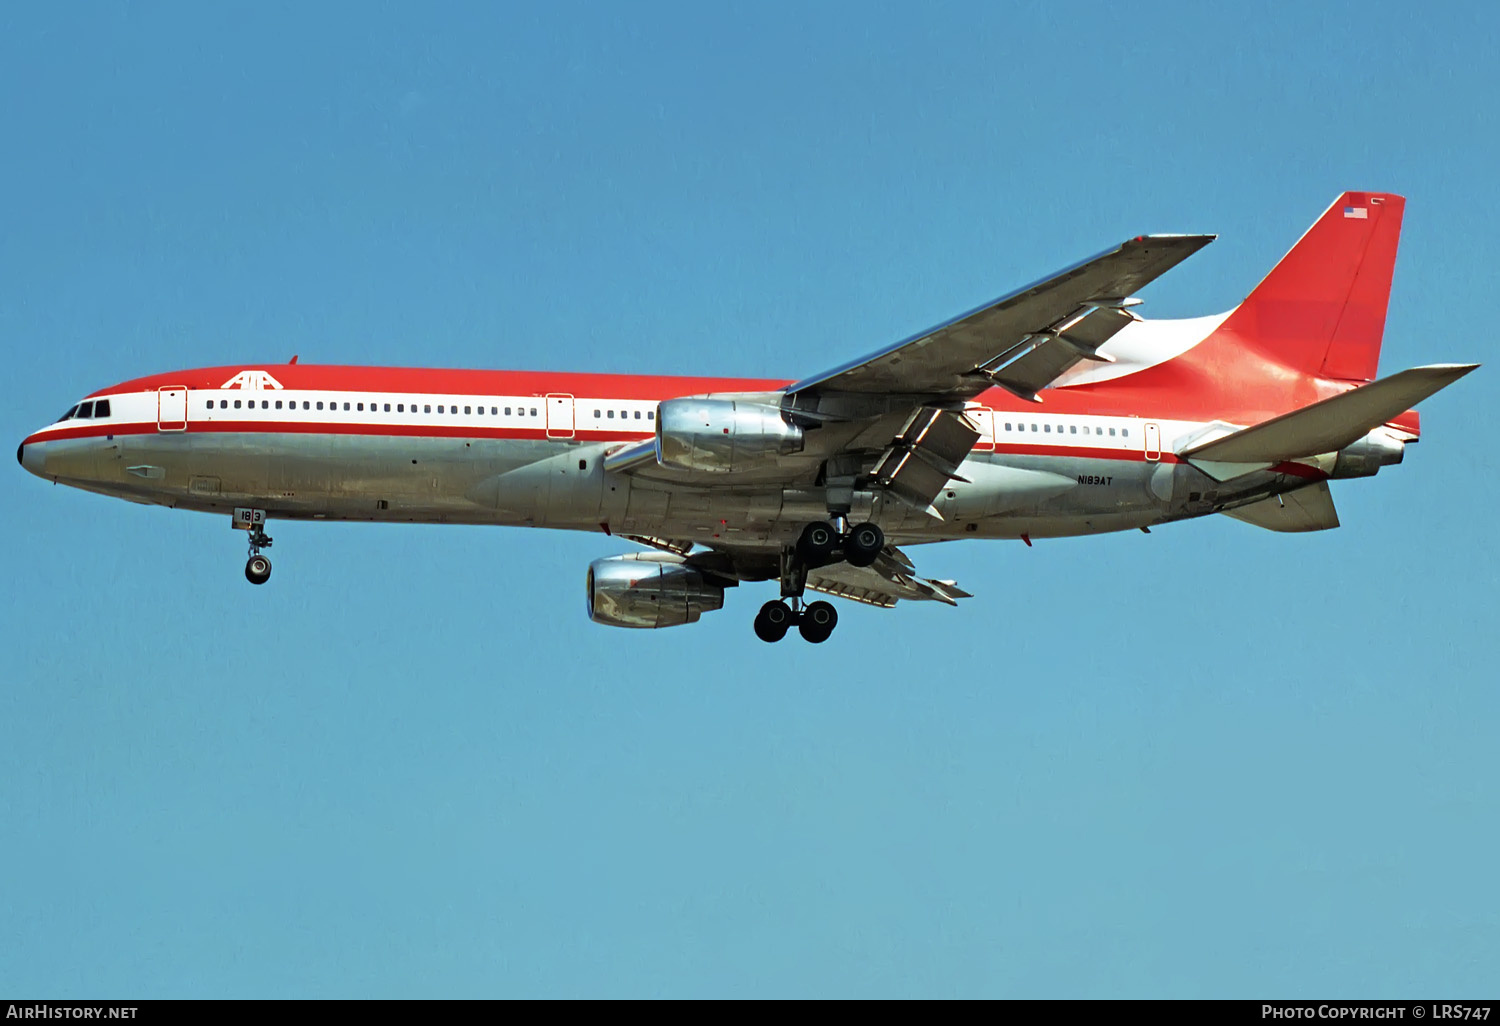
[883, 584]
[1307, 509]
[1333, 423]
[1045, 356]
[925, 455]
[943, 361]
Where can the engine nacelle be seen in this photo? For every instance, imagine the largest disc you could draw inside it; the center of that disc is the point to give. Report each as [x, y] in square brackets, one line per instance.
[1365, 457]
[722, 435]
[649, 589]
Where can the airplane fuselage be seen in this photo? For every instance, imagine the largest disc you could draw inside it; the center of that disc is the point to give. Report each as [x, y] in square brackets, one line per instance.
[218, 439]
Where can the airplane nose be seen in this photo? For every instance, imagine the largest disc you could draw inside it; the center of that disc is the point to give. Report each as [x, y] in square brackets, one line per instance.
[30, 457]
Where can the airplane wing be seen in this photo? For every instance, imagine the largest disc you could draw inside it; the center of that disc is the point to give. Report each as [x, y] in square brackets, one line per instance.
[891, 578]
[1022, 341]
[896, 414]
[888, 580]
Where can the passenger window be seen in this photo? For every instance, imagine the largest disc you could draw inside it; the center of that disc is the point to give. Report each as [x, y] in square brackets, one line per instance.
[1047, 428]
[533, 411]
[400, 407]
[1124, 432]
[1072, 429]
[1007, 425]
[1098, 431]
[466, 409]
[650, 414]
[1033, 429]
[101, 408]
[598, 414]
[387, 407]
[265, 404]
[223, 404]
[1111, 432]
[428, 408]
[611, 415]
[360, 407]
[507, 411]
[453, 410]
[494, 411]
[637, 414]
[237, 404]
[320, 404]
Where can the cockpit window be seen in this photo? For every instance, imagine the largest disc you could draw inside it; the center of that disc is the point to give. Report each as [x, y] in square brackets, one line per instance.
[85, 410]
[101, 408]
[67, 416]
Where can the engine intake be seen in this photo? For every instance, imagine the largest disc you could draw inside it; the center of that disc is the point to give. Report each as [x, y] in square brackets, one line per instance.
[722, 435]
[649, 589]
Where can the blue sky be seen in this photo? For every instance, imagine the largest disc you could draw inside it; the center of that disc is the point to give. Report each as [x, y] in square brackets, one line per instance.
[1212, 761]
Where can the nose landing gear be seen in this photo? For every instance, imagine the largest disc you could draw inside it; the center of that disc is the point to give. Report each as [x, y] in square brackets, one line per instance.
[258, 567]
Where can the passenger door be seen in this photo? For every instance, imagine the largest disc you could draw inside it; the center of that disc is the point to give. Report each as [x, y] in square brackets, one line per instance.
[559, 415]
[983, 418]
[171, 408]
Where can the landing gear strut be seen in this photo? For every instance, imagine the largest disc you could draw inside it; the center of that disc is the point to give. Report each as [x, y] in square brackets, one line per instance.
[258, 567]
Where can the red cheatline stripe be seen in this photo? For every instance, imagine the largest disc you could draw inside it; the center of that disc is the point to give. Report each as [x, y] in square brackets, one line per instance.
[539, 434]
[1082, 452]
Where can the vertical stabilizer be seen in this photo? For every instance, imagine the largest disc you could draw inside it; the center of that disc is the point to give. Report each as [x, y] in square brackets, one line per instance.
[1321, 310]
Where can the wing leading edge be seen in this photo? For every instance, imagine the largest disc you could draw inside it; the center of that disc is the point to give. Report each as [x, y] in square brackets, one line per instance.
[1021, 341]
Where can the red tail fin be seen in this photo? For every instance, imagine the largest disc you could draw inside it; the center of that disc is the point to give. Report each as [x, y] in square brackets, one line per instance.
[1321, 310]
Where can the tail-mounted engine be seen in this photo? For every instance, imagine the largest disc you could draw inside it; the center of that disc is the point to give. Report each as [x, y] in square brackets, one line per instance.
[722, 435]
[650, 589]
[1377, 449]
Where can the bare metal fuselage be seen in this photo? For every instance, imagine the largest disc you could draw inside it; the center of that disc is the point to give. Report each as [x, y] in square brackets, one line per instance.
[562, 483]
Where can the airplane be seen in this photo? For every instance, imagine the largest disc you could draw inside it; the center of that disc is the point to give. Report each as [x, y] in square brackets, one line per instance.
[1053, 411]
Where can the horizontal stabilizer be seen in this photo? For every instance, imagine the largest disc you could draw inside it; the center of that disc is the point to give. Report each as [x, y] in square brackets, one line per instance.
[1306, 509]
[1331, 424]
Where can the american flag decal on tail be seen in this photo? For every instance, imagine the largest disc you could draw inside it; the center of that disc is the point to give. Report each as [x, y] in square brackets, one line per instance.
[1358, 213]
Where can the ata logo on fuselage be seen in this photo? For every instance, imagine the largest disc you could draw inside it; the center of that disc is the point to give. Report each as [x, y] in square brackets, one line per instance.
[251, 381]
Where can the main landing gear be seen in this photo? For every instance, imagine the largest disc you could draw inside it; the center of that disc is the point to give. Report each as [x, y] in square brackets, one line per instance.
[819, 545]
[815, 621]
[823, 543]
[258, 567]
